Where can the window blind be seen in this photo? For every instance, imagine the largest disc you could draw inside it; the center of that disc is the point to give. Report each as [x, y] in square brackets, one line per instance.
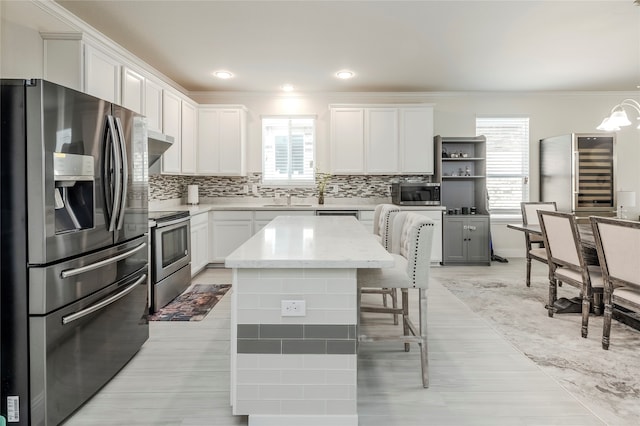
[507, 161]
[288, 150]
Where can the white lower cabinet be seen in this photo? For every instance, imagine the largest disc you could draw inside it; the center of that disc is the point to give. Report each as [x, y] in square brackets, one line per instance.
[366, 218]
[229, 229]
[436, 247]
[199, 242]
[263, 217]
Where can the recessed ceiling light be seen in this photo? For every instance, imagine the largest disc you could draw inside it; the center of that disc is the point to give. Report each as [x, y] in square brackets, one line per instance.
[287, 88]
[344, 74]
[223, 74]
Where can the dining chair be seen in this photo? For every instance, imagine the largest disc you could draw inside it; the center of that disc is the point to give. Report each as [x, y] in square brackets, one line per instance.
[382, 219]
[533, 243]
[618, 246]
[411, 240]
[566, 262]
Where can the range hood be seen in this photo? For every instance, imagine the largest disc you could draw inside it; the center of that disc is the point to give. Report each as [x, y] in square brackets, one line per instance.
[158, 144]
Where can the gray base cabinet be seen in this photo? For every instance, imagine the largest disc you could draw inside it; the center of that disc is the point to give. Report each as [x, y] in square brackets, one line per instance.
[466, 240]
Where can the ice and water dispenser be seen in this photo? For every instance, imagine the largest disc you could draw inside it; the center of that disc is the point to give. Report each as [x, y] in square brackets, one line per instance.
[74, 191]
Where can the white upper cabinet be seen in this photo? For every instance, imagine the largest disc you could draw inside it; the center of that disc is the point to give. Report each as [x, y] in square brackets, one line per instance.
[222, 140]
[381, 140]
[232, 141]
[72, 62]
[133, 90]
[416, 140]
[189, 148]
[394, 139]
[347, 140]
[101, 74]
[153, 105]
[63, 59]
[208, 149]
[172, 126]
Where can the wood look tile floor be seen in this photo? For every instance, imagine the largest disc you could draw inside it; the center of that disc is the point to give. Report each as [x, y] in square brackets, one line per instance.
[181, 376]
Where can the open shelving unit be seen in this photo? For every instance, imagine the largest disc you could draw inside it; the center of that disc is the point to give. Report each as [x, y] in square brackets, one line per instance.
[461, 170]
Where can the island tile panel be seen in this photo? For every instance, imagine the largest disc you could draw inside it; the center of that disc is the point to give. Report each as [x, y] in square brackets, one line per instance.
[296, 366]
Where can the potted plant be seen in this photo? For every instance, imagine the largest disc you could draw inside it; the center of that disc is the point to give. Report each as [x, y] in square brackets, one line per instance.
[322, 179]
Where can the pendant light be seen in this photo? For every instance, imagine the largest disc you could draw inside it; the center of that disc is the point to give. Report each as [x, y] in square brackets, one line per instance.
[618, 117]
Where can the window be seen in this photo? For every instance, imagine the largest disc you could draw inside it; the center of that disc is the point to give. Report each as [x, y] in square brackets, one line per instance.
[507, 161]
[288, 146]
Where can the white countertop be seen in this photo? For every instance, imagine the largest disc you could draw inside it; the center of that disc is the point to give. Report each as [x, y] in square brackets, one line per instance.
[311, 242]
[267, 206]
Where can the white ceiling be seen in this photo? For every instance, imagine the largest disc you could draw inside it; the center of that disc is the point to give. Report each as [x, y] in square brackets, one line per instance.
[399, 46]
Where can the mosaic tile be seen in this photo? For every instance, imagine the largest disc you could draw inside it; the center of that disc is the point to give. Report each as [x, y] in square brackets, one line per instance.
[167, 187]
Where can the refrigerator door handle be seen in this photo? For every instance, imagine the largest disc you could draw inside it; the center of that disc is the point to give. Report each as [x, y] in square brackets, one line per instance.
[576, 174]
[107, 169]
[124, 170]
[117, 179]
[77, 271]
[106, 302]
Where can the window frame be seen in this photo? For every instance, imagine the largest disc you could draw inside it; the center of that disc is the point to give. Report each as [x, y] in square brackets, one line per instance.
[288, 182]
[524, 164]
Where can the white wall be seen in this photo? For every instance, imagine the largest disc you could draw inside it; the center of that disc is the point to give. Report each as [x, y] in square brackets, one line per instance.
[21, 47]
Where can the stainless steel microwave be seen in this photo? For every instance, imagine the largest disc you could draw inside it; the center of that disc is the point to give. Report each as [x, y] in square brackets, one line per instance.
[415, 194]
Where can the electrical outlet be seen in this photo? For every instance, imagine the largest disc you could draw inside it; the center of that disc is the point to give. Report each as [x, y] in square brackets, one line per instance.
[254, 189]
[245, 189]
[293, 308]
[335, 189]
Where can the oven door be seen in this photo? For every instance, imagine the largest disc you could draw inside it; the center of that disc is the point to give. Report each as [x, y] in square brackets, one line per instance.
[171, 242]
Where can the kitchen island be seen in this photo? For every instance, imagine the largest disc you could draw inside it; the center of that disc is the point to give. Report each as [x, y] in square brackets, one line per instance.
[294, 317]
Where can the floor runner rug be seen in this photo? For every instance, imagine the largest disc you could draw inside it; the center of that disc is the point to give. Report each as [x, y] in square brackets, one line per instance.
[192, 305]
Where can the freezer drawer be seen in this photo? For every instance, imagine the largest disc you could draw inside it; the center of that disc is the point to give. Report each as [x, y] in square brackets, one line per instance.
[76, 350]
[58, 285]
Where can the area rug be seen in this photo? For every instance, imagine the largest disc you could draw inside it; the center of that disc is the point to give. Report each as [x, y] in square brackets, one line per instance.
[608, 382]
[192, 305]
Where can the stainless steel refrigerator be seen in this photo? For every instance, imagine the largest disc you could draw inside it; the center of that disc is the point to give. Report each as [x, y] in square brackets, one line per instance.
[577, 171]
[73, 288]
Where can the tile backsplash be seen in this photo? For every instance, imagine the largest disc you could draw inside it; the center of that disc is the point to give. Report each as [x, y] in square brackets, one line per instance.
[167, 187]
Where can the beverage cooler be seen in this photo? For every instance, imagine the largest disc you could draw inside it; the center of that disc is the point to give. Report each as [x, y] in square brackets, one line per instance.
[577, 171]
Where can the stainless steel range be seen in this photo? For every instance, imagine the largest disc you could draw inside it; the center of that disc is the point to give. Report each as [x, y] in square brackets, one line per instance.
[170, 256]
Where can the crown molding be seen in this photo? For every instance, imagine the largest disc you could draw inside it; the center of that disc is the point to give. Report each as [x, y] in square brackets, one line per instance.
[417, 97]
[80, 30]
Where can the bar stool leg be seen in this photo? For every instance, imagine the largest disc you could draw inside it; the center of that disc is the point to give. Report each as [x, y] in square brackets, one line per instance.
[394, 303]
[358, 303]
[424, 354]
[405, 316]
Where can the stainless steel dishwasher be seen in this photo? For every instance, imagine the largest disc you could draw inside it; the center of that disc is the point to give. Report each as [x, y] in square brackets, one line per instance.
[353, 213]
